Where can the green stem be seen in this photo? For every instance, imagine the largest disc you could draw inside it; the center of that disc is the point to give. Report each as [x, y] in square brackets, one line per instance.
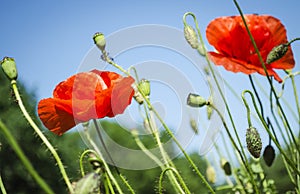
[107, 59]
[42, 136]
[173, 170]
[2, 187]
[146, 151]
[15, 146]
[165, 157]
[108, 183]
[107, 169]
[289, 161]
[267, 75]
[81, 160]
[242, 153]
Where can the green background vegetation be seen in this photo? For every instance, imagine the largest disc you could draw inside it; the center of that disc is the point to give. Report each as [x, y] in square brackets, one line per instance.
[17, 180]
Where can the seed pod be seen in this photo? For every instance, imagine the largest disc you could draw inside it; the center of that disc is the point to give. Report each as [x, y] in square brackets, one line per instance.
[90, 183]
[276, 53]
[195, 100]
[225, 165]
[9, 68]
[99, 40]
[269, 155]
[211, 174]
[253, 141]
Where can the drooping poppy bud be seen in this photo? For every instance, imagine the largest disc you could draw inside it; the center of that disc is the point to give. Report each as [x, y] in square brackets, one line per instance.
[211, 174]
[99, 40]
[269, 155]
[9, 67]
[191, 36]
[144, 86]
[90, 183]
[276, 53]
[225, 165]
[195, 100]
[253, 141]
[194, 126]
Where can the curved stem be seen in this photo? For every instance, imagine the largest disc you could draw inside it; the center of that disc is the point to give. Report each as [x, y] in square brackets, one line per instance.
[15, 146]
[242, 153]
[42, 136]
[162, 175]
[81, 160]
[107, 169]
[165, 157]
[289, 161]
[267, 75]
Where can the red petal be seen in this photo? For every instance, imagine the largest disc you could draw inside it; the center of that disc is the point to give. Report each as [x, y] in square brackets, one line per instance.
[121, 96]
[235, 50]
[56, 115]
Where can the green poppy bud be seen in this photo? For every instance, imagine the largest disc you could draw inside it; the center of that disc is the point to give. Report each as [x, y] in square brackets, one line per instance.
[99, 40]
[9, 67]
[144, 86]
[90, 183]
[195, 100]
[276, 53]
[194, 125]
[253, 141]
[269, 155]
[225, 165]
[191, 36]
[211, 174]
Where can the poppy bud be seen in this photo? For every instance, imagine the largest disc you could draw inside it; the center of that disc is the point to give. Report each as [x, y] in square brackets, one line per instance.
[211, 174]
[194, 100]
[99, 40]
[191, 36]
[269, 155]
[225, 165]
[253, 141]
[144, 86]
[194, 125]
[9, 67]
[90, 183]
[209, 109]
[276, 53]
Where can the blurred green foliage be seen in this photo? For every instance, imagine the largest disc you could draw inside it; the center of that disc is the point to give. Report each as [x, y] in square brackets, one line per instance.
[17, 180]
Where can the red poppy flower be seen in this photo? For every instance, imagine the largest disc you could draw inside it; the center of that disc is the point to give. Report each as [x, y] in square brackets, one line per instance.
[234, 49]
[84, 96]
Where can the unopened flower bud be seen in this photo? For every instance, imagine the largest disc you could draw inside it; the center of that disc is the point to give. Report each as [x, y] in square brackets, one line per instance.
[144, 86]
[99, 40]
[211, 174]
[276, 53]
[90, 183]
[253, 141]
[194, 125]
[269, 155]
[191, 36]
[225, 165]
[9, 67]
[195, 100]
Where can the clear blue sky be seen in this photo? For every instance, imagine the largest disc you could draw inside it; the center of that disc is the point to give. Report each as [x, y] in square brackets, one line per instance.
[49, 39]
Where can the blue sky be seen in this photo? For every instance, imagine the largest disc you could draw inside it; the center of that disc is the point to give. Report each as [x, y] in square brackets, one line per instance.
[49, 39]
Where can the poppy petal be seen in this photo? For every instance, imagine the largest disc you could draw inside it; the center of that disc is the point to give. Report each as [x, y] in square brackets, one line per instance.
[56, 115]
[234, 49]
